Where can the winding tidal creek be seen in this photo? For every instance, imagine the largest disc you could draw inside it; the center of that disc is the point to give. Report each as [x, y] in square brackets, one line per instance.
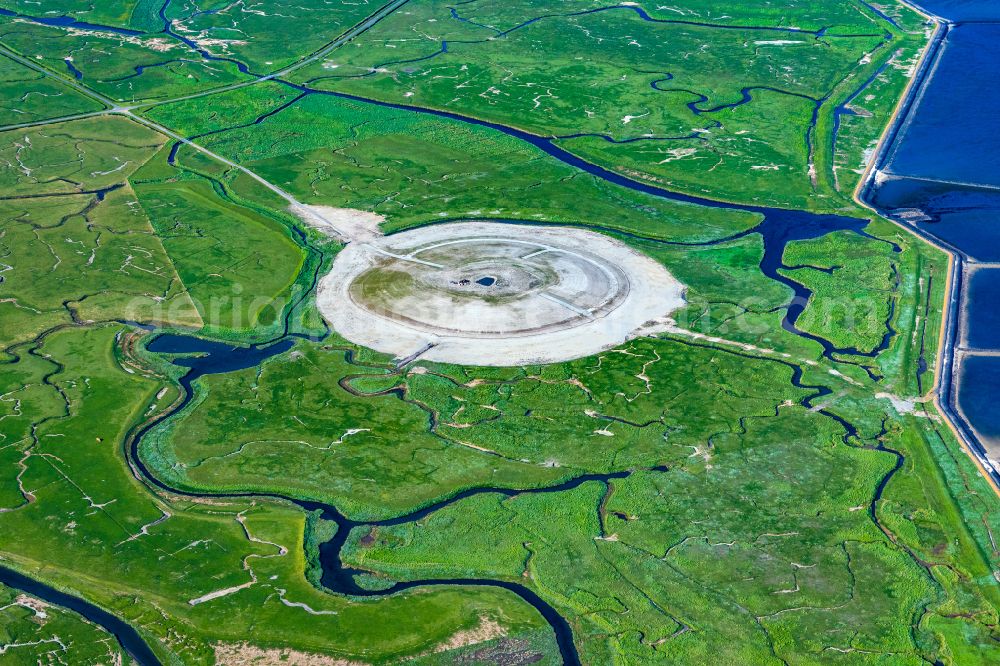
[939, 173]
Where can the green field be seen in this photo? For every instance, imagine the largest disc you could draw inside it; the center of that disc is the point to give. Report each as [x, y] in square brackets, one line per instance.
[30, 96]
[737, 107]
[413, 169]
[236, 264]
[727, 491]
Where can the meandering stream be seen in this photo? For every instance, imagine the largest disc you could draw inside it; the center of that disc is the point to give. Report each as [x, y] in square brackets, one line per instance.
[204, 357]
[777, 229]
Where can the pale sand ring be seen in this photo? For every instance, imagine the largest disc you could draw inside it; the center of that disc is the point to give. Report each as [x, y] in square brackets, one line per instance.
[488, 293]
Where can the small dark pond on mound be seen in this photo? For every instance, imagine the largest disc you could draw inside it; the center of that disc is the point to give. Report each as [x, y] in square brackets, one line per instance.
[486, 281]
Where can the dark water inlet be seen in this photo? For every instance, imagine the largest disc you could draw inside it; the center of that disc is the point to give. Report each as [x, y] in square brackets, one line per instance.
[69, 22]
[127, 637]
[77, 74]
[212, 358]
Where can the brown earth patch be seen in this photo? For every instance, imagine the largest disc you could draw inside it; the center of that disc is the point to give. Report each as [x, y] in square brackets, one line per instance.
[245, 654]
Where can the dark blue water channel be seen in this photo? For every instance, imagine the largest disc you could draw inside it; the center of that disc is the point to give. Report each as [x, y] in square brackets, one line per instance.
[127, 637]
[69, 22]
[942, 176]
[205, 357]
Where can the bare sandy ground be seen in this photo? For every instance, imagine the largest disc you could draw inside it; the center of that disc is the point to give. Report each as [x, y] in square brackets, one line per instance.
[652, 293]
[347, 224]
[245, 654]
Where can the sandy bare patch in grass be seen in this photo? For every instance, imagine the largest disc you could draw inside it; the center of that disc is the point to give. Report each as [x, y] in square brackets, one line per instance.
[245, 654]
[486, 630]
[347, 224]
[37, 606]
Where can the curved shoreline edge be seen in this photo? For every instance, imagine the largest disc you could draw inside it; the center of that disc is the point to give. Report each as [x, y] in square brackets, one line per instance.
[945, 389]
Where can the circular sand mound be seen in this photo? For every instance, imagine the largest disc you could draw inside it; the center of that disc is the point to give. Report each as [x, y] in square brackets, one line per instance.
[486, 293]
